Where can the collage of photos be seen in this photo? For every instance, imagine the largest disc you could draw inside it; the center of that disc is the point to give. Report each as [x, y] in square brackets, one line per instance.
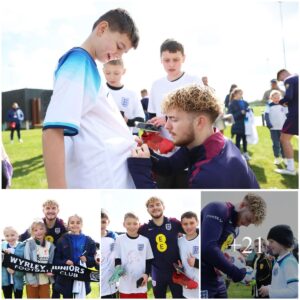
[149, 151]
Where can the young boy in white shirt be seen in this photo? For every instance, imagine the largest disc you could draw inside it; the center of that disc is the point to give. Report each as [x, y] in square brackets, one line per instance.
[284, 282]
[85, 140]
[127, 101]
[133, 252]
[172, 58]
[189, 251]
[275, 115]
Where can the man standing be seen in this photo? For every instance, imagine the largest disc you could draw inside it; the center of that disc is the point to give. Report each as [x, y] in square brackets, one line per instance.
[220, 222]
[163, 235]
[290, 127]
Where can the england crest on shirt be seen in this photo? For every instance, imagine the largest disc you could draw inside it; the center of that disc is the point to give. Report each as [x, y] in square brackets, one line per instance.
[195, 250]
[168, 226]
[124, 101]
[57, 230]
[140, 247]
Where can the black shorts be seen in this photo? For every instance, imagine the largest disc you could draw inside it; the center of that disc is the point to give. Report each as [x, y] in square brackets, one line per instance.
[291, 126]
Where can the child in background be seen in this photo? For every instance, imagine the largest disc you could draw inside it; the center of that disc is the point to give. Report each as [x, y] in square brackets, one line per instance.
[38, 249]
[12, 281]
[126, 100]
[189, 251]
[74, 248]
[262, 264]
[285, 270]
[108, 239]
[275, 115]
[238, 108]
[133, 252]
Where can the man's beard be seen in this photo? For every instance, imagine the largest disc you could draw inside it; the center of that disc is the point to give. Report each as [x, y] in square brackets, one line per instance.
[157, 217]
[187, 139]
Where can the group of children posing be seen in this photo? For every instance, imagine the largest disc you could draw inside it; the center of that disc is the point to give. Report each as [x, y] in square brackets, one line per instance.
[132, 251]
[72, 248]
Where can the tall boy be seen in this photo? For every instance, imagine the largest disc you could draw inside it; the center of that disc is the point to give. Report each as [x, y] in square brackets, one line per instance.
[108, 239]
[127, 101]
[97, 141]
[189, 251]
[285, 270]
[133, 252]
[172, 58]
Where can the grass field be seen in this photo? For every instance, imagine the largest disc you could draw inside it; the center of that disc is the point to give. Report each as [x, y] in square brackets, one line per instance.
[94, 294]
[238, 290]
[29, 171]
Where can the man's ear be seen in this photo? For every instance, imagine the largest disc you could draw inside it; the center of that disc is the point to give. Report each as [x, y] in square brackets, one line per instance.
[201, 120]
[101, 27]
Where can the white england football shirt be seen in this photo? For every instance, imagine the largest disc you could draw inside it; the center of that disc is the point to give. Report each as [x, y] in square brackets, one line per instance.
[284, 277]
[97, 140]
[107, 265]
[187, 248]
[128, 102]
[161, 88]
[133, 254]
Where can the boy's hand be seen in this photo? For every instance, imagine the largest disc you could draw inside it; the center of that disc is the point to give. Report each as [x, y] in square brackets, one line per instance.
[34, 285]
[10, 271]
[158, 121]
[145, 279]
[141, 152]
[191, 260]
[83, 258]
[263, 291]
[69, 263]
[49, 274]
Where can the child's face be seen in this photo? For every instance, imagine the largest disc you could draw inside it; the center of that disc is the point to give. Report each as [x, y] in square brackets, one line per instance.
[113, 74]
[110, 45]
[75, 225]
[132, 225]
[39, 232]
[238, 95]
[104, 224]
[50, 212]
[263, 247]
[155, 209]
[189, 225]
[11, 236]
[276, 248]
[172, 63]
[275, 98]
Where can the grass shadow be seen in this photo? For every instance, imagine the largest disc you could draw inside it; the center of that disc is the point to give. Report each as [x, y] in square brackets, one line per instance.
[27, 166]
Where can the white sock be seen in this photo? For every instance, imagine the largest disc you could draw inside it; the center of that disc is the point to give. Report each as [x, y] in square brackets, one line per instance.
[290, 164]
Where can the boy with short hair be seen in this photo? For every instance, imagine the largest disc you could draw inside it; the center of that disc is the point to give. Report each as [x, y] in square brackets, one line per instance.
[133, 252]
[275, 115]
[189, 251]
[285, 270]
[108, 239]
[97, 141]
[126, 100]
[172, 58]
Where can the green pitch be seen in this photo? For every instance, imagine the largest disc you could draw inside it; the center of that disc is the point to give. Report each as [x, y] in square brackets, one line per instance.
[29, 170]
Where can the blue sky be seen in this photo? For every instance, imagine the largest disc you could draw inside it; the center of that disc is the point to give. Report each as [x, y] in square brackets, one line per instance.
[229, 41]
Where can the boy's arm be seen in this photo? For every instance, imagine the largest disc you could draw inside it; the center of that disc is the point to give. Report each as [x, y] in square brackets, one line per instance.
[54, 157]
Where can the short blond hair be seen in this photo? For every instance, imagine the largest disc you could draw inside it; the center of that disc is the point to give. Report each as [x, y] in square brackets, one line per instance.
[75, 216]
[257, 206]
[273, 92]
[10, 228]
[115, 62]
[193, 99]
[152, 200]
[35, 223]
[131, 215]
[50, 202]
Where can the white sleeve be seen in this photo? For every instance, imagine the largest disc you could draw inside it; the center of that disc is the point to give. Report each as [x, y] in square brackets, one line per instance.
[75, 81]
[290, 270]
[151, 102]
[138, 108]
[117, 248]
[267, 109]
